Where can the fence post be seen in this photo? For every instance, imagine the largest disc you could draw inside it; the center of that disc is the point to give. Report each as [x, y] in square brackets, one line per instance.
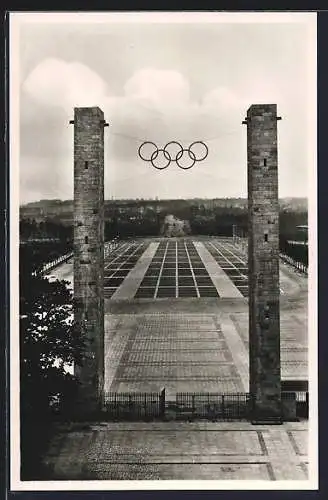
[162, 402]
[193, 405]
[252, 397]
[130, 405]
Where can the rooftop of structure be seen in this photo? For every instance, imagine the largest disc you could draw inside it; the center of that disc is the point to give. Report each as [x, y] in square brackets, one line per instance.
[90, 109]
[262, 108]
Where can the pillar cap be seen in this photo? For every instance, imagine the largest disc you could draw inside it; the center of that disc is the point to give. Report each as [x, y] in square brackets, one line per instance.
[262, 108]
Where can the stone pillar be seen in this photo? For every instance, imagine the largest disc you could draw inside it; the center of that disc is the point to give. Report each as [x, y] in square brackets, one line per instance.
[89, 251]
[263, 263]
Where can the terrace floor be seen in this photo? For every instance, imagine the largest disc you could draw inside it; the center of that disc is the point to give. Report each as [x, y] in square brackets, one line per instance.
[176, 316]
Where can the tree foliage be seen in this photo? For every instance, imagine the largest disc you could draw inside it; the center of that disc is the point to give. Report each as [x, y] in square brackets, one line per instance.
[49, 341]
[49, 229]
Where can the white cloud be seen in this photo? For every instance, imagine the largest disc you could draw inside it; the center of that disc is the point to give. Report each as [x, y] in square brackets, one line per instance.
[151, 96]
[155, 105]
[163, 88]
[56, 83]
[45, 177]
[220, 99]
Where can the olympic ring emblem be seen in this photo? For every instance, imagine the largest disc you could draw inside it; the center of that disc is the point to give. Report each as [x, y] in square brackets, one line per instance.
[161, 158]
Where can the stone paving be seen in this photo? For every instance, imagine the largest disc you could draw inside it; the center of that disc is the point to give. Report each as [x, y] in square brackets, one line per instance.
[180, 352]
[293, 342]
[178, 270]
[133, 280]
[192, 352]
[119, 265]
[63, 272]
[224, 285]
[176, 450]
[197, 345]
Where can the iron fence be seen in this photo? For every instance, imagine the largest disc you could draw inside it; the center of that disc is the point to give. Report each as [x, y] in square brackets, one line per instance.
[302, 404]
[300, 266]
[213, 406]
[242, 245]
[134, 405]
[55, 263]
[195, 406]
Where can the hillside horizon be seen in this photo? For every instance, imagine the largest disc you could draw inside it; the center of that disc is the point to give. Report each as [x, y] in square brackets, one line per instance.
[240, 198]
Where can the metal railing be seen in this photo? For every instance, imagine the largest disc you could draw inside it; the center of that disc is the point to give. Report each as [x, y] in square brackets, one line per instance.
[190, 406]
[134, 405]
[55, 263]
[213, 406]
[110, 246]
[297, 265]
[242, 245]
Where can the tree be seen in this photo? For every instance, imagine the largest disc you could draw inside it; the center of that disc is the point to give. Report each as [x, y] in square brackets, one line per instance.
[48, 343]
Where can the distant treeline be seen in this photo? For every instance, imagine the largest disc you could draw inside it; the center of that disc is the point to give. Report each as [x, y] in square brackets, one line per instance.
[221, 221]
[51, 239]
[125, 228]
[44, 242]
[29, 229]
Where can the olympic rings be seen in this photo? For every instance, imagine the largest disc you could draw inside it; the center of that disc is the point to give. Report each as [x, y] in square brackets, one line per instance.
[203, 144]
[142, 145]
[168, 155]
[191, 156]
[155, 155]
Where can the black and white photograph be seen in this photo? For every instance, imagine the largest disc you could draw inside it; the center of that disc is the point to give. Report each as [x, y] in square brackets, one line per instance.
[163, 239]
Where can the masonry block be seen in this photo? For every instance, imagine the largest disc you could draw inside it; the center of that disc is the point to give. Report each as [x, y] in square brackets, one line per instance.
[89, 250]
[263, 263]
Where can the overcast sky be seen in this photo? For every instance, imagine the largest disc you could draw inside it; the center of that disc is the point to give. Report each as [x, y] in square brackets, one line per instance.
[159, 82]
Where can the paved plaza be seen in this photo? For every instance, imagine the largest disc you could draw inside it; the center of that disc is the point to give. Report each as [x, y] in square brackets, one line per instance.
[191, 352]
[177, 450]
[176, 316]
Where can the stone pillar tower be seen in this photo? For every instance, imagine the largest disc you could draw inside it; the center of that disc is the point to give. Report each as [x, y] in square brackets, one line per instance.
[263, 263]
[89, 251]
